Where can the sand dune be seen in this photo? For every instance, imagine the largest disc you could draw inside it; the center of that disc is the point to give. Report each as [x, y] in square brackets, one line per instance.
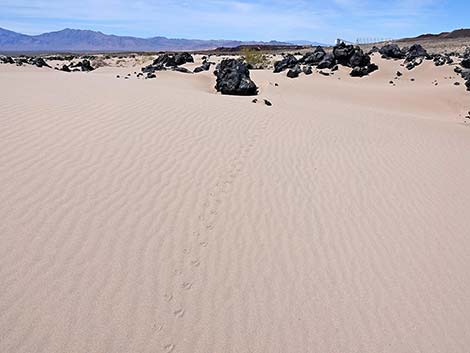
[158, 216]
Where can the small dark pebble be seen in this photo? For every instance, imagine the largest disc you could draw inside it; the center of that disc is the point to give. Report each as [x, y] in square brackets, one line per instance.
[391, 82]
[412, 79]
[254, 101]
[399, 74]
[276, 84]
[118, 76]
[456, 83]
[268, 103]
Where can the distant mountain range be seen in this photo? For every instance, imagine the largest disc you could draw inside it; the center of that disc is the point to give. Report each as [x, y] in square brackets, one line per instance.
[457, 34]
[75, 40]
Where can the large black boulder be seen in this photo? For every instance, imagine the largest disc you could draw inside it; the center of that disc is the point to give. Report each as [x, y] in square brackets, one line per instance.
[233, 78]
[183, 58]
[391, 51]
[358, 58]
[288, 62]
[343, 53]
[414, 52]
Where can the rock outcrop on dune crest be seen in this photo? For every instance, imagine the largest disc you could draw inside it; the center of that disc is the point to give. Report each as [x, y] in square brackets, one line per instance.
[169, 61]
[233, 78]
[342, 54]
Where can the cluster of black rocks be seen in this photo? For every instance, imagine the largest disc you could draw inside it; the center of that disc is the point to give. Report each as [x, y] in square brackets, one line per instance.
[168, 62]
[414, 55]
[464, 68]
[342, 54]
[83, 65]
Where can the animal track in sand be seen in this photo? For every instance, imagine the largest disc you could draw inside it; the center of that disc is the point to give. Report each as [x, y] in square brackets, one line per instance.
[168, 297]
[187, 285]
[179, 313]
[208, 217]
[168, 348]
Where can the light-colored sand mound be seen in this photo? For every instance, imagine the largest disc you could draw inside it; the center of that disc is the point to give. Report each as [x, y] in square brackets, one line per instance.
[158, 216]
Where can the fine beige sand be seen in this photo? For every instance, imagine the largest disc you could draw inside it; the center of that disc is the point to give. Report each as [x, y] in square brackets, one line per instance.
[158, 216]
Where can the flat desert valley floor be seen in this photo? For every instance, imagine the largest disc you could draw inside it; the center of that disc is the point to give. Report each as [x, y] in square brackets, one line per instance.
[158, 216]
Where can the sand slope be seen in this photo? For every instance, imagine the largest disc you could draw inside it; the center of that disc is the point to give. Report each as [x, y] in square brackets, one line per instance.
[157, 216]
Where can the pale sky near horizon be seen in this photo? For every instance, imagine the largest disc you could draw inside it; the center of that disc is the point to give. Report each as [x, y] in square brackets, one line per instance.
[313, 20]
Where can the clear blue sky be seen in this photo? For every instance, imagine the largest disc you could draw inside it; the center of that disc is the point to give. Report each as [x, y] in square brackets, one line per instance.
[315, 20]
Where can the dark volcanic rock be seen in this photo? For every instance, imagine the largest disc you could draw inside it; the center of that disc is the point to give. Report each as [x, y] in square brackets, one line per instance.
[7, 60]
[295, 72]
[206, 65]
[268, 103]
[359, 71]
[327, 62]
[39, 62]
[307, 70]
[84, 65]
[313, 58]
[465, 63]
[65, 68]
[359, 58]
[391, 51]
[183, 58]
[172, 60]
[289, 62]
[442, 59]
[416, 51]
[181, 69]
[343, 53]
[233, 78]
[465, 73]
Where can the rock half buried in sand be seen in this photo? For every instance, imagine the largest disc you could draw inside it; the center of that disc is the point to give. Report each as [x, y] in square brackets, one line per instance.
[233, 78]
[391, 51]
[84, 65]
[294, 72]
[359, 71]
[39, 62]
[206, 65]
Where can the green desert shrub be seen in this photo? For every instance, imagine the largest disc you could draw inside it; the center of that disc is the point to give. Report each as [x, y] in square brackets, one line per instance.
[255, 58]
